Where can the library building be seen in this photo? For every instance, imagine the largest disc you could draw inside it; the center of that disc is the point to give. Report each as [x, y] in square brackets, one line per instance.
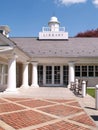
[53, 59]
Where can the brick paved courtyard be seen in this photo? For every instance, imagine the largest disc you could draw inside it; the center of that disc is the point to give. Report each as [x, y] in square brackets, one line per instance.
[43, 114]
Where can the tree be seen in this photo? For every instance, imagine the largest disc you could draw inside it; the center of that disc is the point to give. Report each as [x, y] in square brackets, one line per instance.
[88, 33]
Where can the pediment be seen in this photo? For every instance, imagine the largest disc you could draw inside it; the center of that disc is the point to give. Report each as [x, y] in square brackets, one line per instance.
[5, 44]
[2, 43]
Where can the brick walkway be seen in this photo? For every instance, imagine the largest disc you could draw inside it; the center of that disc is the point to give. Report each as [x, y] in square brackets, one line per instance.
[43, 114]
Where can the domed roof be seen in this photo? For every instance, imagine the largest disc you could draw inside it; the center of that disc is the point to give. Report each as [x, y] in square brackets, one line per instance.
[53, 19]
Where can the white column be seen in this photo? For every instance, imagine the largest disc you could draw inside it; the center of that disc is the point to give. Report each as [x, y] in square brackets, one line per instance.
[34, 75]
[12, 75]
[71, 73]
[25, 75]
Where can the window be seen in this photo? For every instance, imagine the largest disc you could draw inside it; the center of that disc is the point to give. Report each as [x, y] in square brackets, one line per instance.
[90, 71]
[77, 71]
[3, 74]
[96, 71]
[84, 71]
[48, 74]
[0, 68]
[1, 31]
[57, 74]
[65, 75]
[40, 75]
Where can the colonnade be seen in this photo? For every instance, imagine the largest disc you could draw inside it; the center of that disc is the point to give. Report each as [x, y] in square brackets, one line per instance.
[11, 86]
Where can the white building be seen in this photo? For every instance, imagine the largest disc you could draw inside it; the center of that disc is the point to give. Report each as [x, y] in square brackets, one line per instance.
[52, 59]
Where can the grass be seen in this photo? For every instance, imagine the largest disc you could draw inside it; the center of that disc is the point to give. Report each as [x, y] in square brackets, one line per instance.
[91, 92]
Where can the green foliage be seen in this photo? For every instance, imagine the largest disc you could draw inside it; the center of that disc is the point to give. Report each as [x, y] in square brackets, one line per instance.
[91, 92]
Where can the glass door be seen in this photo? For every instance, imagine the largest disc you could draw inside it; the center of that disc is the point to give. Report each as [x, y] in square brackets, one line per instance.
[56, 74]
[40, 75]
[65, 75]
[48, 74]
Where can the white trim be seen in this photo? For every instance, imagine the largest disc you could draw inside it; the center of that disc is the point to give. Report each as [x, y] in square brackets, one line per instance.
[5, 48]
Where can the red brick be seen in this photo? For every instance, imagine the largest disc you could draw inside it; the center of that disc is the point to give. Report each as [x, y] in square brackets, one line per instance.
[1, 128]
[2, 101]
[61, 110]
[74, 104]
[24, 119]
[62, 125]
[35, 103]
[8, 107]
[17, 99]
[61, 100]
[83, 118]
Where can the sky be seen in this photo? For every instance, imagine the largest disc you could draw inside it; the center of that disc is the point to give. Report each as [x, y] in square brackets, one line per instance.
[27, 17]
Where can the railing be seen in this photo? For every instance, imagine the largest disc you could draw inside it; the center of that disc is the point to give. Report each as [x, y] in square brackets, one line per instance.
[46, 29]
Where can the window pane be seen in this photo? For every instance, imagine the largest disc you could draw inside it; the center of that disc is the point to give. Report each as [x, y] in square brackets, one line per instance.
[40, 75]
[0, 68]
[84, 71]
[96, 71]
[5, 79]
[77, 71]
[5, 69]
[57, 74]
[0, 79]
[48, 74]
[65, 75]
[90, 71]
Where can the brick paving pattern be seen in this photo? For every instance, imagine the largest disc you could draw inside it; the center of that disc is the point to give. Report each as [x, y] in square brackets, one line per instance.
[1, 128]
[61, 110]
[43, 114]
[8, 107]
[2, 101]
[17, 99]
[35, 103]
[84, 118]
[62, 125]
[74, 104]
[24, 118]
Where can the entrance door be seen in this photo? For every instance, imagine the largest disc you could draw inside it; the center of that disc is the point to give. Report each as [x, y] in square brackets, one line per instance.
[56, 74]
[48, 74]
[52, 75]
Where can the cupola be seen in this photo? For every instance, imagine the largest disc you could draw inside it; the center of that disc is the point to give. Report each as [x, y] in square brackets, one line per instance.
[53, 31]
[54, 24]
